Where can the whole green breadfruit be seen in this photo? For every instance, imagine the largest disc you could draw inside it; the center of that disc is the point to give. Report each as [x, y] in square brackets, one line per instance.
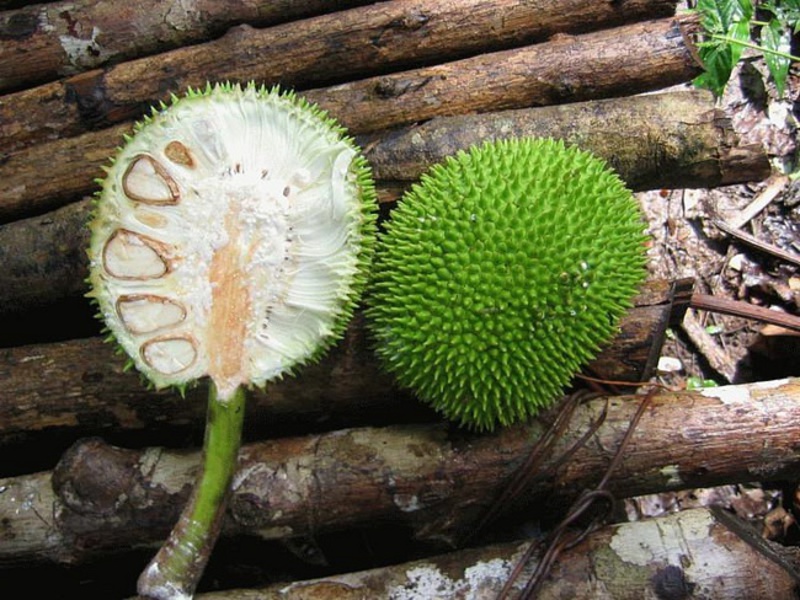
[501, 273]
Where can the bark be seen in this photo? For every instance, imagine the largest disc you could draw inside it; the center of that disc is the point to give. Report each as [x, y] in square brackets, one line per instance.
[431, 478]
[45, 42]
[699, 553]
[666, 140]
[79, 388]
[614, 62]
[43, 259]
[674, 139]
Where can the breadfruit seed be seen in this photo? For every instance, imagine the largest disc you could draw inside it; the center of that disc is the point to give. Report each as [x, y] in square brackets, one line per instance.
[230, 237]
[146, 314]
[500, 274]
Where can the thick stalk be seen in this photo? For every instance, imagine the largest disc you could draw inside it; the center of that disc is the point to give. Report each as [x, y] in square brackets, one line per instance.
[174, 572]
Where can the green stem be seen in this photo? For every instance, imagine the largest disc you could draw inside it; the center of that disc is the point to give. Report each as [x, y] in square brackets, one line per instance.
[177, 567]
[762, 49]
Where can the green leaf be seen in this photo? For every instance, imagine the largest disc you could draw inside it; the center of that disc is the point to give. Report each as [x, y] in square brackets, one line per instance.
[718, 16]
[732, 12]
[728, 29]
[777, 43]
[739, 31]
[698, 383]
[711, 16]
[727, 26]
[718, 64]
[786, 11]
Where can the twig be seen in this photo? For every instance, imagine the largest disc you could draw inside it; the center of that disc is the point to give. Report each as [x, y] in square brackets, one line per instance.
[738, 308]
[775, 186]
[753, 241]
[561, 538]
[541, 450]
[708, 347]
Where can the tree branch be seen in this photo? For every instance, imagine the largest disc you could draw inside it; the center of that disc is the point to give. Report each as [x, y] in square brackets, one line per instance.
[675, 139]
[431, 478]
[636, 57]
[697, 549]
[65, 390]
[64, 38]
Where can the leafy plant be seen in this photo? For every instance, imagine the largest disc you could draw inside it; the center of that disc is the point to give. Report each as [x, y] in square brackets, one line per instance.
[730, 26]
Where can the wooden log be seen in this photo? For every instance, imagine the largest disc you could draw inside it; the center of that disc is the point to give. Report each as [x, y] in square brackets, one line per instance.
[44, 259]
[675, 139]
[608, 63]
[44, 42]
[667, 140]
[698, 553]
[431, 478]
[620, 61]
[62, 391]
[67, 390]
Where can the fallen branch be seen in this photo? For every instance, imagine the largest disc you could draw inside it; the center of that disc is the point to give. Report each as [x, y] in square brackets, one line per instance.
[612, 62]
[43, 259]
[739, 308]
[697, 549]
[718, 359]
[430, 478]
[63, 38]
[754, 242]
[666, 140]
[775, 185]
[673, 139]
[78, 388]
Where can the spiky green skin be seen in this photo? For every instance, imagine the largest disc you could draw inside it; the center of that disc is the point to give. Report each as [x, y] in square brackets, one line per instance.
[227, 153]
[501, 274]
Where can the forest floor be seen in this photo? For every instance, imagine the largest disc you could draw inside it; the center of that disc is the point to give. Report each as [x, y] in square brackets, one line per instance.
[715, 349]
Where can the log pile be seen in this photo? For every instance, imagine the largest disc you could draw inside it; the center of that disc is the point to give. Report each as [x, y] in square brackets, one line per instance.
[620, 561]
[339, 449]
[433, 480]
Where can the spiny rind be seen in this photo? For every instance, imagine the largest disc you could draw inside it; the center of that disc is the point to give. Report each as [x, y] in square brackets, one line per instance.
[500, 274]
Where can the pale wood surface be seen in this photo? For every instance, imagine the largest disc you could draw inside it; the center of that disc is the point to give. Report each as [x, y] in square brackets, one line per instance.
[433, 479]
[683, 553]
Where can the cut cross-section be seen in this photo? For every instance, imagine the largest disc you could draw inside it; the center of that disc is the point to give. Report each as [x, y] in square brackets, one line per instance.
[170, 355]
[231, 237]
